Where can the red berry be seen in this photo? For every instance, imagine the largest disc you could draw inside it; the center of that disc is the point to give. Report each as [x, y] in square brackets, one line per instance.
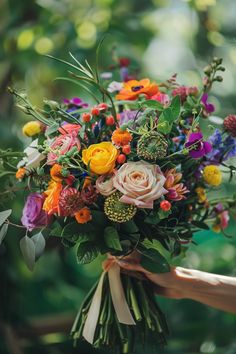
[95, 111]
[165, 205]
[126, 149]
[86, 117]
[110, 120]
[121, 159]
[103, 106]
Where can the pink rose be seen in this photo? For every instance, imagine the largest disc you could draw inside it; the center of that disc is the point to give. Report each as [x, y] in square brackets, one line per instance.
[104, 185]
[140, 183]
[61, 145]
[69, 129]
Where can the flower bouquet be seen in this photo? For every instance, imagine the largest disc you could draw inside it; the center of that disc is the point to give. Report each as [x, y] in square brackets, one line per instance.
[126, 177]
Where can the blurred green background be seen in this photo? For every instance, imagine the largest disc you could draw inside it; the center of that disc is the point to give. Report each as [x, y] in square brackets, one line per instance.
[160, 37]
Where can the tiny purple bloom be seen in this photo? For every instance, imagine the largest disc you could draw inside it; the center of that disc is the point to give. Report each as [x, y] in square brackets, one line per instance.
[75, 102]
[33, 215]
[209, 107]
[198, 147]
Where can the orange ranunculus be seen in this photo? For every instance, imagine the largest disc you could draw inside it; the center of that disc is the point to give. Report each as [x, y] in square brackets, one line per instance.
[121, 137]
[51, 203]
[133, 88]
[20, 173]
[55, 173]
[83, 215]
[100, 157]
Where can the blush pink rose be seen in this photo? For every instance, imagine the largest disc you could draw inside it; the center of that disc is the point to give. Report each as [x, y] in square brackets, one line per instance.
[104, 185]
[61, 145]
[69, 129]
[140, 183]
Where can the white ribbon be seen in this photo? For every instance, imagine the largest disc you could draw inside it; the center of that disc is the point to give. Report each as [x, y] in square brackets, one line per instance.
[119, 302]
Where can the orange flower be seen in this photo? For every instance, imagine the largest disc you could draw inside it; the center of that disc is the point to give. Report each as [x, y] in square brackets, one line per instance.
[51, 203]
[20, 173]
[55, 173]
[121, 137]
[87, 182]
[133, 88]
[83, 215]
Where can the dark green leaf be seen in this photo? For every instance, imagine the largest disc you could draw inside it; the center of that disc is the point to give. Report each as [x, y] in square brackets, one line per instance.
[4, 215]
[27, 247]
[87, 252]
[3, 232]
[153, 261]
[112, 239]
[129, 227]
[200, 224]
[75, 232]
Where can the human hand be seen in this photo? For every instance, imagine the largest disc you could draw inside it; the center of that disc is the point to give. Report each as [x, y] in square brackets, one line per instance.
[166, 284]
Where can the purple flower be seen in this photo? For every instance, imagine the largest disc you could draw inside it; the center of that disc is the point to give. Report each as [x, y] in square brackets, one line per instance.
[75, 102]
[33, 215]
[126, 116]
[197, 147]
[209, 107]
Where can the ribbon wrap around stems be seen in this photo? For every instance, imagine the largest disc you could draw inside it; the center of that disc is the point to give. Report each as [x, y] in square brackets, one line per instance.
[121, 307]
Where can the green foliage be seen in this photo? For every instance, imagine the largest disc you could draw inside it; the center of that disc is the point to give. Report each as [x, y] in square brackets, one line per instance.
[112, 238]
[86, 252]
[153, 261]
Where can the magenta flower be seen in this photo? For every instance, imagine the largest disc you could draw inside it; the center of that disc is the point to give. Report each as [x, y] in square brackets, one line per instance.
[75, 102]
[33, 215]
[197, 147]
[209, 107]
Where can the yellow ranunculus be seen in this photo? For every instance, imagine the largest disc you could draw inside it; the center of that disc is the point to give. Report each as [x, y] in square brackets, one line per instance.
[31, 128]
[212, 175]
[100, 157]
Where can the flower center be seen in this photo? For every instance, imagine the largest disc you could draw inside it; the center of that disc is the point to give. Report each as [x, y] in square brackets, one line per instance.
[136, 88]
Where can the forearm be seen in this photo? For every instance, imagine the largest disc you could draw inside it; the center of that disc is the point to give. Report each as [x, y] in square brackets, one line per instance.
[210, 289]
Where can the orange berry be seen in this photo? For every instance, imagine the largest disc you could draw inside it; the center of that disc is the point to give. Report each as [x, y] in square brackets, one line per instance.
[126, 149]
[110, 120]
[121, 159]
[165, 205]
[86, 117]
[95, 111]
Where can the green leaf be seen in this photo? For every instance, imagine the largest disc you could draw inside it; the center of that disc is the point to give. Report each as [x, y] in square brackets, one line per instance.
[27, 247]
[164, 214]
[4, 215]
[87, 252]
[52, 129]
[129, 227]
[200, 224]
[75, 232]
[175, 107]
[3, 232]
[153, 261]
[156, 245]
[39, 243]
[112, 239]
[152, 104]
[164, 127]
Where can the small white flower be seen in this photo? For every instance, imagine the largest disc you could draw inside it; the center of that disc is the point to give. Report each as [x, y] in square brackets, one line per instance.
[106, 75]
[33, 157]
[115, 86]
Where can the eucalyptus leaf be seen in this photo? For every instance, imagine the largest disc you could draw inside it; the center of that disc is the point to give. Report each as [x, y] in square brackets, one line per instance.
[27, 247]
[3, 232]
[40, 243]
[112, 239]
[4, 215]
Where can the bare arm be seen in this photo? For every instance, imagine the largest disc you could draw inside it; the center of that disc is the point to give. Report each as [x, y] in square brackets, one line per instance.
[214, 290]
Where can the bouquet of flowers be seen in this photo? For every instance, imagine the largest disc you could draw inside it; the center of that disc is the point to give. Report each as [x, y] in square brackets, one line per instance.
[126, 177]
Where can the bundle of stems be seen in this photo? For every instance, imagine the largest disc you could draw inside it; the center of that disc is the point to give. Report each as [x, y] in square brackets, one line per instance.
[122, 338]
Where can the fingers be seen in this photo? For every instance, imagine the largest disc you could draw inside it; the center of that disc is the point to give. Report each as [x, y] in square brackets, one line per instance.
[132, 266]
